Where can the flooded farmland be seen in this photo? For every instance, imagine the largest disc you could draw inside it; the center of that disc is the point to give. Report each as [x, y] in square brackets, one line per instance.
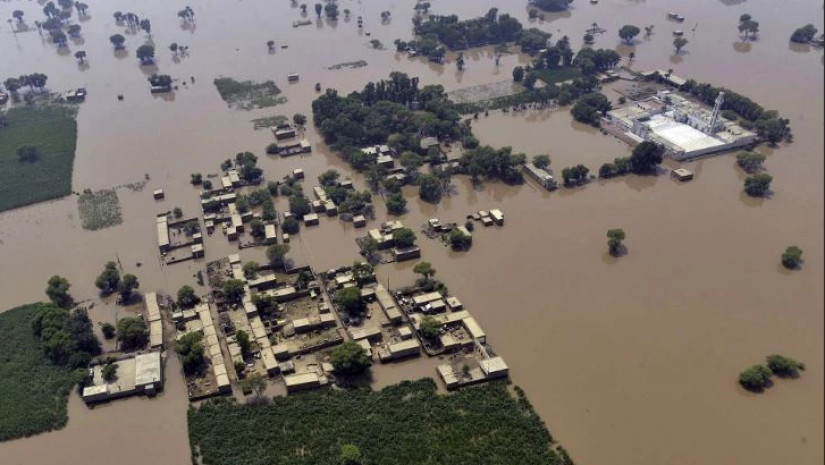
[628, 361]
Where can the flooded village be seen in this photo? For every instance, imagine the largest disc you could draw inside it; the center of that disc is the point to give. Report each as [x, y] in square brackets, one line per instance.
[622, 357]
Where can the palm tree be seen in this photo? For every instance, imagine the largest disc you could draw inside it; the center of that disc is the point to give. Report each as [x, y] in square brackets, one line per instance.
[81, 56]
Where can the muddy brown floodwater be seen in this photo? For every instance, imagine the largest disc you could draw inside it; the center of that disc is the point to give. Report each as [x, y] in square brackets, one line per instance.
[629, 361]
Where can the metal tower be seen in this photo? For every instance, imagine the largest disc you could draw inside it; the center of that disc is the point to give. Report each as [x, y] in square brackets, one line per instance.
[714, 117]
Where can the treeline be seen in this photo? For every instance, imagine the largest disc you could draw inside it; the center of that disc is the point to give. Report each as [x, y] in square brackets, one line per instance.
[551, 5]
[493, 164]
[67, 336]
[393, 112]
[427, 428]
[491, 28]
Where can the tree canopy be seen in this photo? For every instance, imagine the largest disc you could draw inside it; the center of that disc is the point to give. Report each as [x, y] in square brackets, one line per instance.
[58, 291]
[132, 333]
[349, 358]
[349, 299]
[404, 237]
[646, 156]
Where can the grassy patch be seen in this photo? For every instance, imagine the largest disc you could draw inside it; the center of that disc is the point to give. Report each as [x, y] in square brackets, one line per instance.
[53, 130]
[269, 121]
[555, 76]
[408, 423]
[99, 209]
[34, 392]
[350, 64]
[246, 95]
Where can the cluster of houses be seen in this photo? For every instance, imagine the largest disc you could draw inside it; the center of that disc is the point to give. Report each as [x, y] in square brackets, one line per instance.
[289, 141]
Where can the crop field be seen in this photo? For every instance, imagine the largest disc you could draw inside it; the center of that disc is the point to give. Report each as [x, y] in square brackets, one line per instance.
[408, 423]
[53, 131]
[34, 392]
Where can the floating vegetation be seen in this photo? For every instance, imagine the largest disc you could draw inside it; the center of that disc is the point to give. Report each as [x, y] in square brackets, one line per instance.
[246, 95]
[99, 209]
[349, 64]
[133, 186]
[268, 121]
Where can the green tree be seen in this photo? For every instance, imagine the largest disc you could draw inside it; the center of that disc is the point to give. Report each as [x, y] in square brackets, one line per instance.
[177, 213]
[58, 291]
[404, 237]
[803, 35]
[299, 119]
[257, 229]
[117, 40]
[784, 366]
[350, 300]
[28, 154]
[518, 74]
[411, 161]
[758, 185]
[109, 331]
[109, 372]
[291, 226]
[233, 290]
[614, 240]
[425, 269]
[146, 54]
[459, 62]
[267, 305]
[243, 342]
[18, 15]
[109, 279]
[329, 178]
[256, 383]
[363, 273]
[646, 156]
[459, 240]
[331, 10]
[318, 9]
[369, 247]
[430, 327]
[275, 254]
[132, 333]
[250, 269]
[678, 43]
[751, 162]
[187, 297]
[755, 378]
[589, 108]
[396, 204]
[349, 358]
[628, 32]
[430, 188]
[299, 205]
[350, 455]
[792, 257]
[127, 285]
[190, 349]
[541, 161]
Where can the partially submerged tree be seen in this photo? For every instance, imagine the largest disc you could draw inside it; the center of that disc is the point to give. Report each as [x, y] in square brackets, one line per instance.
[751, 162]
[146, 54]
[58, 291]
[350, 301]
[430, 327]
[614, 240]
[117, 40]
[792, 257]
[755, 378]
[187, 297]
[275, 254]
[628, 32]
[784, 366]
[109, 279]
[758, 185]
[678, 43]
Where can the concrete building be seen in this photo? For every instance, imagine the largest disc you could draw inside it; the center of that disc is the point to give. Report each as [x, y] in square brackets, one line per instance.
[270, 235]
[387, 304]
[141, 374]
[407, 253]
[301, 381]
[494, 367]
[311, 219]
[163, 233]
[398, 350]
[541, 176]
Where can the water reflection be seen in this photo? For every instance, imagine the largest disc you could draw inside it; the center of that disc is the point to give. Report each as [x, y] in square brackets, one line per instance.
[742, 47]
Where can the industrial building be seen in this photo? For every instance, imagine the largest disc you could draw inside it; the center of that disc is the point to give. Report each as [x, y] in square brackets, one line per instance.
[686, 129]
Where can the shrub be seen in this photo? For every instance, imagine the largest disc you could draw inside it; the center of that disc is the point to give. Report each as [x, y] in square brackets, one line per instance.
[755, 378]
[792, 257]
[784, 366]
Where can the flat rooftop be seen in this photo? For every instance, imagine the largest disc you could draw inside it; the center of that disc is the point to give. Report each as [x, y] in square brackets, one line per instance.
[682, 135]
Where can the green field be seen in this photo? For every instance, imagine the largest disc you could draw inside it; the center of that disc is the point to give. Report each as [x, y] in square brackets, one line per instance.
[33, 391]
[53, 130]
[408, 423]
[557, 75]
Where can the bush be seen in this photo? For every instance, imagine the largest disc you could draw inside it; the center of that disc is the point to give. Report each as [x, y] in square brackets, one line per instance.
[758, 185]
[792, 257]
[751, 162]
[272, 149]
[784, 366]
[755, 378]
[108, 330]
[459, 240]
